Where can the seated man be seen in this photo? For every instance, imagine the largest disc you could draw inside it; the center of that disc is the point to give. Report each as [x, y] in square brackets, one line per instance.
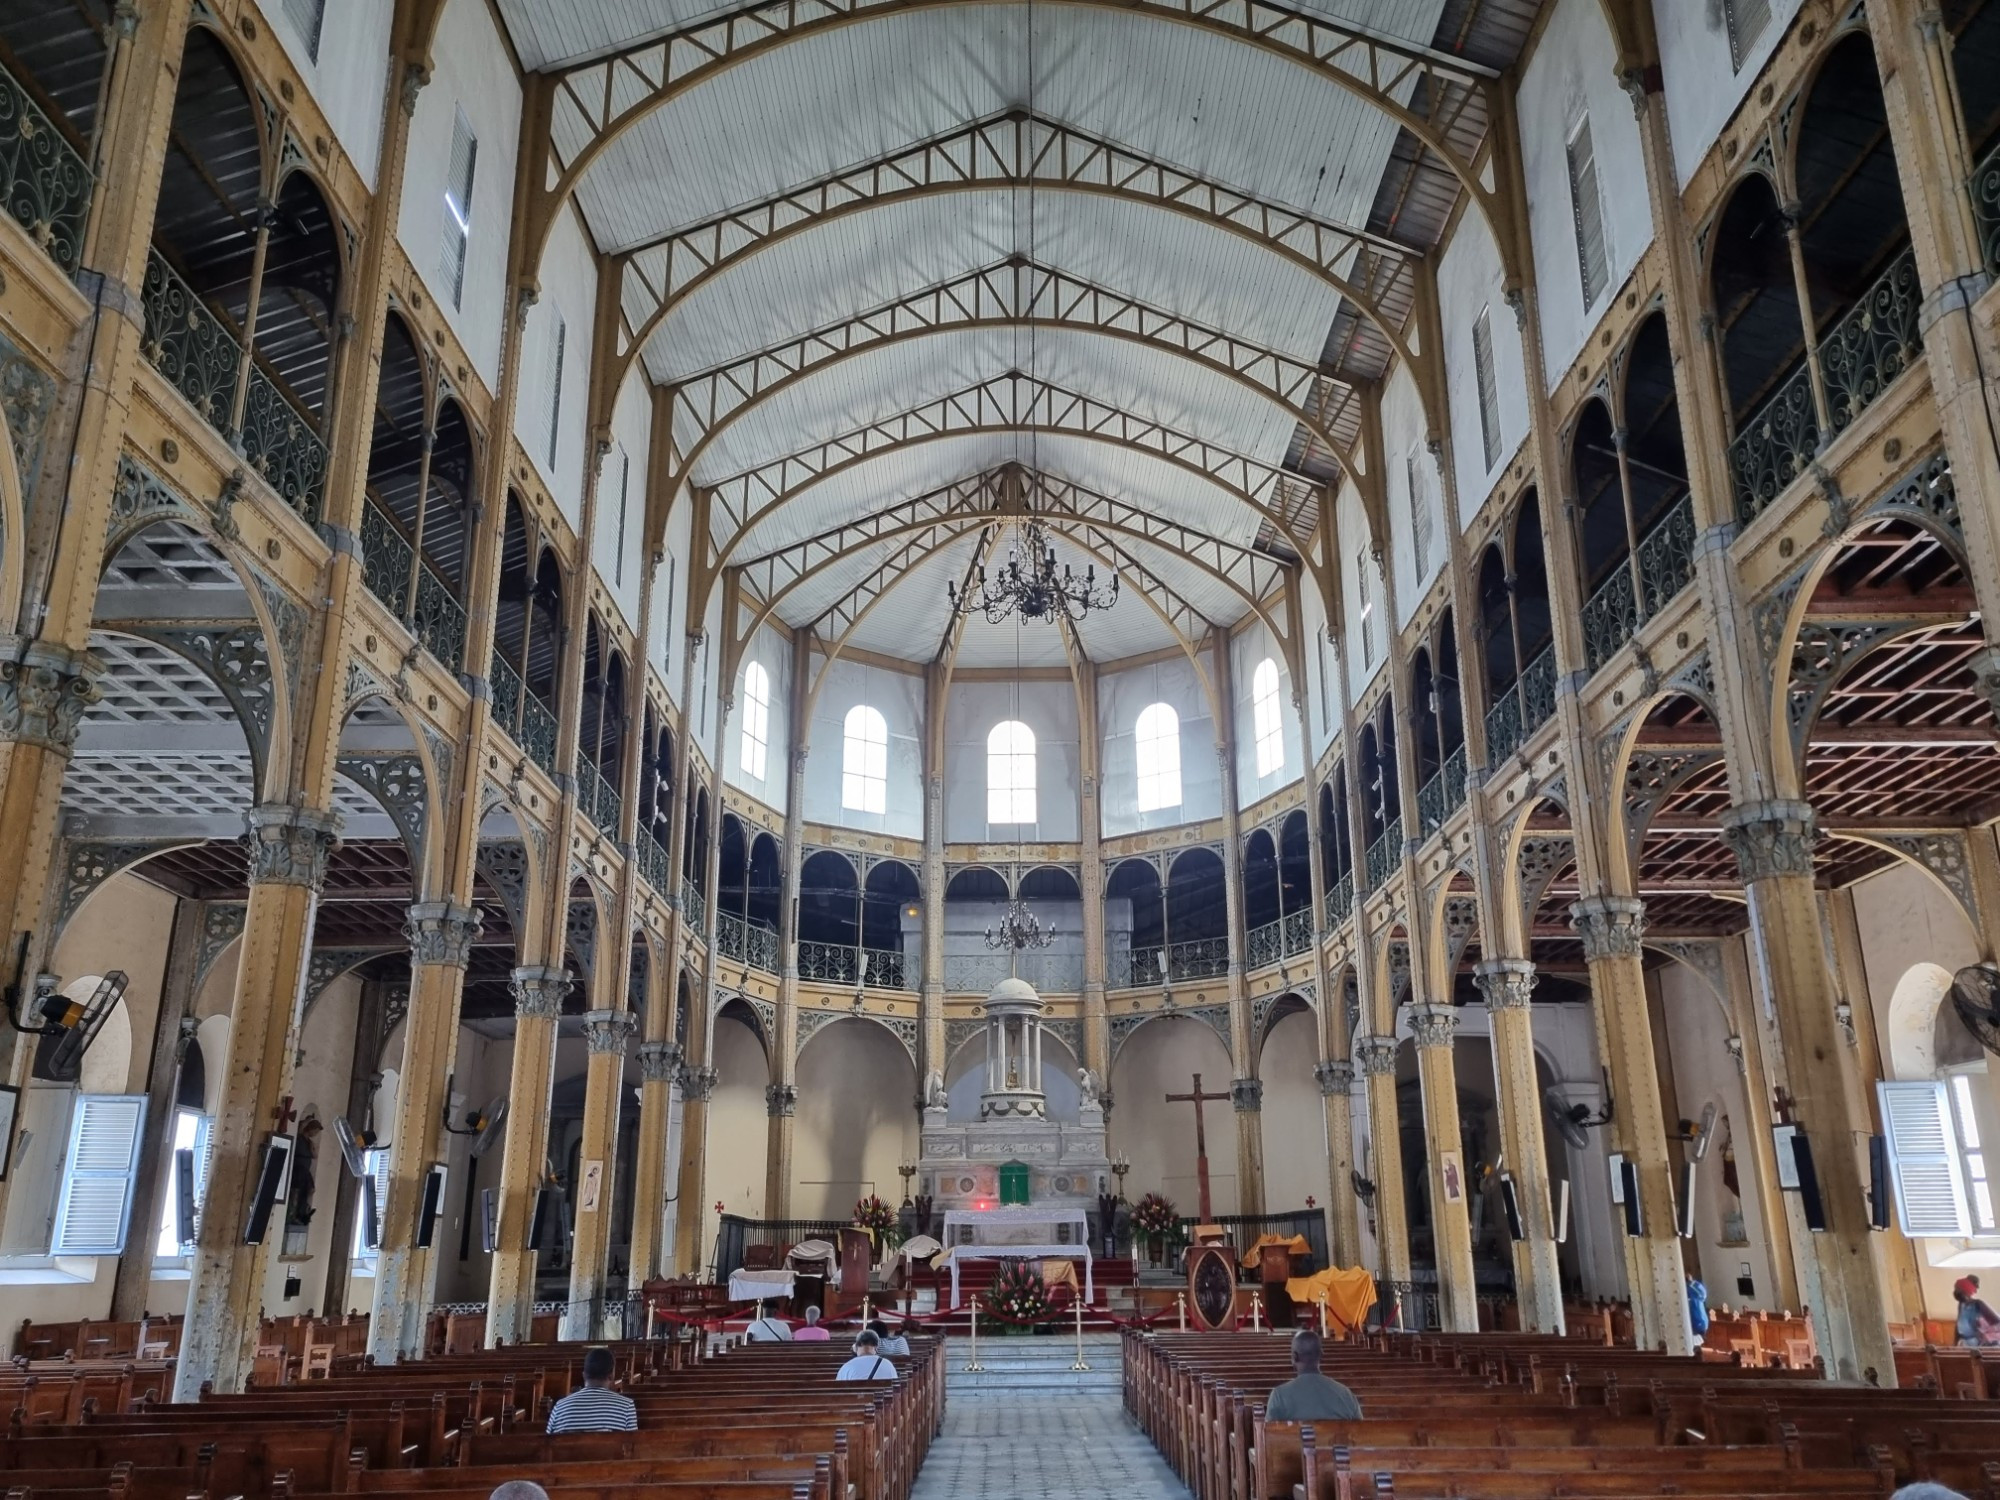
[887, 1342]
[1309, 1396]
[766, 1329]
[812, 1333]
[595, 1408]
[868, 1363]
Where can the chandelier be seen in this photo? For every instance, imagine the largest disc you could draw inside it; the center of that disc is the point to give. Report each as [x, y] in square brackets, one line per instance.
[1029, 585]
[1018, 928]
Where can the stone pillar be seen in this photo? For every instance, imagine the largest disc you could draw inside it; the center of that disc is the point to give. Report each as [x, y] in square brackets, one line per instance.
[441, 934]
[1242, 1041]
[697, 1083]
[1247, 1095]
[1508, 984]
[510, 1301]
[781, 1105]
[1096, 1022]
[659, 1061]
[608, 1036]
[1612, 927]
[1434, 1029]
[1773, 843]
[931, 994]
[1336, 1092]
[1376, 1057]
[288, 850]
[363, 1077]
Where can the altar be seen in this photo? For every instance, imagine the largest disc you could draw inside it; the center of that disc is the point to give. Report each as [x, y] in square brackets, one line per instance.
[1035, 1233]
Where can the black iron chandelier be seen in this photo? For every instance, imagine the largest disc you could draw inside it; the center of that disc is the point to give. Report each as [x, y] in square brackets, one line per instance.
[1018, 928]
[1029, 585]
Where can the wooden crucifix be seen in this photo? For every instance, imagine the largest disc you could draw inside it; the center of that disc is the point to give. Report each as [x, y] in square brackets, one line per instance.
[1197, 1099]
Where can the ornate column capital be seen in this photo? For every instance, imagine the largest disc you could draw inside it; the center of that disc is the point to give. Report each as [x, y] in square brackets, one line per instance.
[44, 690]
[1507, 983]
[1336, 1077]
[609, 1031]
[539, 991]
[1770, 839]
[442, 932]
[659, 1061]
[697, 1084]
[781, 1100]
[289, 845]
[1375, 1056]
[1433, 1026]
[1611, 926]
[1247, 1094]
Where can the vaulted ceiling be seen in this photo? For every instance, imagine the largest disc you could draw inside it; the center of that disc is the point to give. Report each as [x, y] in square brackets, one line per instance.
[1127, 270]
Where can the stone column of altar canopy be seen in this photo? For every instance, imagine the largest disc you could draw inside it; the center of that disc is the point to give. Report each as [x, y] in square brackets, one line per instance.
[1375, 1056]
[668, 1053]
[1434, 1030]
[288, 852]
[538, 998]
[1773, 843]
[607, 1035]
[1612, 928]
[441, 935]
[1249, 1099]
[1508, 985]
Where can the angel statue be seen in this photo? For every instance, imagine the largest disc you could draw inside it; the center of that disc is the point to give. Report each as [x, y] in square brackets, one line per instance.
[935, 1096]
[1090, 1087]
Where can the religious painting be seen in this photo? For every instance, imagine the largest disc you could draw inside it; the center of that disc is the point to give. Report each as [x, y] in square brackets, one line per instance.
[593, 1186]
[1452, 1173]
[1212, 1287]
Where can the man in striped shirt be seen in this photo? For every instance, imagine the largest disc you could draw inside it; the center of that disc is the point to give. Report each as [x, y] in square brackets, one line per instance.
[595, 1408]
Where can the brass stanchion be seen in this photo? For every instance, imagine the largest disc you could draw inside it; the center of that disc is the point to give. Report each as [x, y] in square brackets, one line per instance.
[1080, 1363]
[1180, 1307]
[974, 1367]
[1257, 1312]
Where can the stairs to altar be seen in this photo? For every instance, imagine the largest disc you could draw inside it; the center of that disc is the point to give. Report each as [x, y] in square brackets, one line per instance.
[1034, 1362]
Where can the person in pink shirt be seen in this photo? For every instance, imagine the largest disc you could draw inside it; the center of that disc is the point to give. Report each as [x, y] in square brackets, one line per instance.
[812, 1333]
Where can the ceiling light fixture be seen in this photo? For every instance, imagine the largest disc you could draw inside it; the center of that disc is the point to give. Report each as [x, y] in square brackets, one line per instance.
[1029, 585]
[1018, 928]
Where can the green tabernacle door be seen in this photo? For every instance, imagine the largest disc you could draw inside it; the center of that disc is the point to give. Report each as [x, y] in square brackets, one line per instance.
[1013, 1182]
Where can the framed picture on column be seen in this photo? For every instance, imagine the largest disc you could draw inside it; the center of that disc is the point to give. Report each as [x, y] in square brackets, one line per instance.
[10, 1108]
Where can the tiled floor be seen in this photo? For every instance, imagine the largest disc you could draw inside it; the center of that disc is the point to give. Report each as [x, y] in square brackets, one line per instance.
[1042, 1445]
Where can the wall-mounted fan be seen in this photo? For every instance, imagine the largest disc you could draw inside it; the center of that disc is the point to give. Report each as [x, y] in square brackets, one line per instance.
[1975, 994]
[67, 1026]
[1700, 1135]
[1363, 1188]
[484, 1126]
[1574, 1122]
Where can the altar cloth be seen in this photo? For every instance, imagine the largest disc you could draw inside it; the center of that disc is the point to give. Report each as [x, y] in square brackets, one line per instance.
[1041, 1254]
[1298, 1244]
[1347, 1295]
[759, 1286]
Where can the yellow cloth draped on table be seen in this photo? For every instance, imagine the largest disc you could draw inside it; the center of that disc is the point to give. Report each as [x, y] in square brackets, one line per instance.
[1057, 1273]
[1347, 1294]
[1296, 1245]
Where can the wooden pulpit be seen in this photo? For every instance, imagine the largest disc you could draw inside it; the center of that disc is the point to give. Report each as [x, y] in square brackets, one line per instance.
[1274, 1269]
[857, 1257]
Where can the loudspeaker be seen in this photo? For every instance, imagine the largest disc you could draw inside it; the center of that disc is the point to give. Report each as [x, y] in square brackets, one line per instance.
[489, 1219]
[1684, 1210]
[270, 1187]
[1510, 1201]
[546, 1228]
[1559, 1231]
[1628, 1174]
[184, 1195]
[1810, 1202]
[1878, 1182]
[433, 1205]
[1616, 1161]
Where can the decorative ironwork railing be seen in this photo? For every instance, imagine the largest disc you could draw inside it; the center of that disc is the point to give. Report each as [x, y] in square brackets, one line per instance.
[1985, 190]
[1523, 708]
[513, 702]
[829, 963]
[747, 942]
[438, 620]
[1860, 356]
[653, 863]
[48, 184]
[1340, 900]
[1384, 854]
[1203, 958]
[886, 969]
[605, 806]
[1135, 968]
[1665, 565]
[1263, 945]
[1298, 932]
[201, 357]
[978, 973]
[502, 680]
[694, 907]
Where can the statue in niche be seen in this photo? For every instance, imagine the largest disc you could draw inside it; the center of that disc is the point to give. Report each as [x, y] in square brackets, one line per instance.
[935, 1096]
[1090, 1088]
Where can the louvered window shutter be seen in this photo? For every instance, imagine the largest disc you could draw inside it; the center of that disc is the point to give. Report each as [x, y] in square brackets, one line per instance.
[103, 1161]
[308, 16]
[1589, 213]
[378, 1172]
[1367, 608]
[204, 1165]
[1489, 386]
[1420, 511]
[458, 207]
[1747, 20]
[558, 346]
[1923, 1158]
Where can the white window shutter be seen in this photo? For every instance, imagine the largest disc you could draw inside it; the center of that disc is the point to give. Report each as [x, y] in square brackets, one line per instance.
[558, 347]
[1420, 511]
[204, 1165]
[1588, 208]
[1747, 20]
[309, 17]
[1489, 386]
[95, 1209]
[1923, 1159]
[458, 206]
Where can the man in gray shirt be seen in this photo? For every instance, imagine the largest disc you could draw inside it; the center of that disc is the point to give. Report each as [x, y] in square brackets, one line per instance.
[1309, 1396]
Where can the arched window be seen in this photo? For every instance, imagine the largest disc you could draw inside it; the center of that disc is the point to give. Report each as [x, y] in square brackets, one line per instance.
[1158, 744]
[1010, 773]
[756, 718]
[1268, 720]
[864, 761]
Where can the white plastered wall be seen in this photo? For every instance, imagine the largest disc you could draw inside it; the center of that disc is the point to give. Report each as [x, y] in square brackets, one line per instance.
[772, 650]
[1048, 707]
[1247, 647]
[1404, 440]
[1703, 85]
[899, 697]
[1469, 282]
[1573, 73]
[666, 646]
[1158, 1137]
[617, 551]
[472, 70]
[1121, 698]
[1351, 526]
[351, 74]
[568, 300]
[855, 1120]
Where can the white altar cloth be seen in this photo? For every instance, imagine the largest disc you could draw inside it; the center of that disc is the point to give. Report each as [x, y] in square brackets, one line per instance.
[1017, 1234]
[759, 1286]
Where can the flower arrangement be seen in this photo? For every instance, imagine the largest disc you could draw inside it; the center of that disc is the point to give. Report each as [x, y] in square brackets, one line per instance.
[871, 1213]
[1018, 1294]
[1156, 1215]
